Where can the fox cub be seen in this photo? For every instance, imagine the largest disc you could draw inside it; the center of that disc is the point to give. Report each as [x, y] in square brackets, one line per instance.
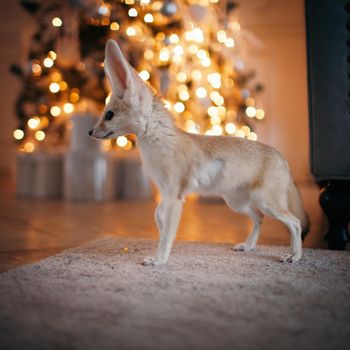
[253, 178]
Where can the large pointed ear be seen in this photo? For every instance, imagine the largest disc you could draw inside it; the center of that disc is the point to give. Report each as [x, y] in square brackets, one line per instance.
[117, 69]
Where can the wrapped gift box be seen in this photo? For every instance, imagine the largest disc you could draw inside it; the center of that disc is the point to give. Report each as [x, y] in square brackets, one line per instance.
[134, 184]
[89, 173]
[39, 174]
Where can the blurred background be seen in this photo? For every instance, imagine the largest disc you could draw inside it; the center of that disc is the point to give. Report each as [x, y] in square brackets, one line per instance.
[223, 67]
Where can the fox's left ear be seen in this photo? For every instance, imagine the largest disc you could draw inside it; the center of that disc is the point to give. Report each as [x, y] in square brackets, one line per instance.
[125, 81]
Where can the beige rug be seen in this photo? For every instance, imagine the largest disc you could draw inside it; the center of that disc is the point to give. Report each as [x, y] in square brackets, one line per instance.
[98, 296]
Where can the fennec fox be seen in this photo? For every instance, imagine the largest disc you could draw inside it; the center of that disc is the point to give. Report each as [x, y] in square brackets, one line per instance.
[253, 178]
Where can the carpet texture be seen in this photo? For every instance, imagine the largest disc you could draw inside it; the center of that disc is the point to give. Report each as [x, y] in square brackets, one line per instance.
[98, 296]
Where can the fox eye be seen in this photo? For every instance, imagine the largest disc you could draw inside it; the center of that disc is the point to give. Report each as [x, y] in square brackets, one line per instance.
[109, 115]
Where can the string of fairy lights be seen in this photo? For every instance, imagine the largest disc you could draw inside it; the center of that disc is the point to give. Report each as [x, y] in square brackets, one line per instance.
[188, 50]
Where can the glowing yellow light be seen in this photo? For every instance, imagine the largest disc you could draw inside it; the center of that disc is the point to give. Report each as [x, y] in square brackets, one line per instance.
[215, 120]
[132, 12]
[260, 114]
[68, 108]
[182, 87]
[114, 26]
[148, 54]
[217, 129]
[131, 31]
[55, 76]
[144, 75]
[221, 36]
[214, 95]
[184, 95]
[201, 92]
[196, 75]
[201, 54]
[18, 134]
[235, 26]
[54, 87]
[179, 107]
[174, 38]
[214, 1]
[144, 2]
[40, 135]
[215, 80]
[229, 42]
[246, 130]
[148, 18]
[167, 104]
[249, 102]
[206, 62]
[55, 111]
[130, 2]
[160, 36]
[29, 147]
[188, 36]
[63, 85]
[74, 96]
[122, 141]
[181, 77]
[252, 136]
[33, 123]
[178, 50]
[52, 54]
[239, 133]
[222, 112]
[250, 112]
[107, 99]
[56, 22]
[197, 35]
[190, 126]
[128, 146]
[193, 49]
[36, 69]
[230, 128]
[216, 98]
[164, 55]
[219, 101]
[48, 62]
[213, 111]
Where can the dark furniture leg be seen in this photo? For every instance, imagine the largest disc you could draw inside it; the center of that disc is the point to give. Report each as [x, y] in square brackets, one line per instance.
[335, 202]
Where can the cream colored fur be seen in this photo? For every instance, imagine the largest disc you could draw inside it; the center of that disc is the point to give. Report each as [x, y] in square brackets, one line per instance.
[253, 178]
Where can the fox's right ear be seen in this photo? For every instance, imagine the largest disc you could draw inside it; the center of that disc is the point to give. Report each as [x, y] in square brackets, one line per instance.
[117, 69]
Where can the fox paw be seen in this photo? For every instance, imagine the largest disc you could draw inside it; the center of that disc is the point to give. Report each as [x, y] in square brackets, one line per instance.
[151, 261]
[289, 258]
[242, 247]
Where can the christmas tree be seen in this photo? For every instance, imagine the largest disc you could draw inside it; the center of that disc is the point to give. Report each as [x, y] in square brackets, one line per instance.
[188, 50]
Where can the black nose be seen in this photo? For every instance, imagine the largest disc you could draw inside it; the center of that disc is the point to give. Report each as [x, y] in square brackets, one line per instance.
[91, 132]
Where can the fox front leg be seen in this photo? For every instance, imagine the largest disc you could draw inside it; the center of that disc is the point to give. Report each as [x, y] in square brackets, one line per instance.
[167, 217]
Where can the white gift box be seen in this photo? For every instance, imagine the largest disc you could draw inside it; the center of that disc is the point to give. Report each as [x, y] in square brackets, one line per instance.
[132, 180]
[80, 141]
[39, 174]
[89, 176]
[88, 172]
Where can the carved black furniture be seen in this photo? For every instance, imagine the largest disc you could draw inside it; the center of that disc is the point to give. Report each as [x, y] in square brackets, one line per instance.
[328, 55]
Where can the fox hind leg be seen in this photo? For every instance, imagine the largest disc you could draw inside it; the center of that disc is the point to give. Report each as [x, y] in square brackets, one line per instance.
[243, 207]
[294, 227]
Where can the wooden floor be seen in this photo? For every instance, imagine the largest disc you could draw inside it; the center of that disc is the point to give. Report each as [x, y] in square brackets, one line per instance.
[33, 229]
